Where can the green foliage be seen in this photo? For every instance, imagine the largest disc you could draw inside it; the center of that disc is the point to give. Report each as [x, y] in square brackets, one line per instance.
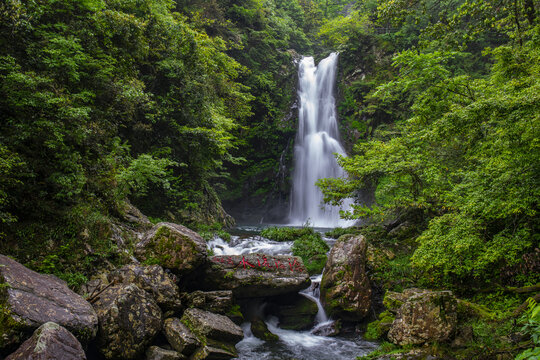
[141, 172]
[465, 156]
[287, 233]
[209, 232]
[312, 249]
[338, 231]
[308, 245]
[379, 328]
[531, 327]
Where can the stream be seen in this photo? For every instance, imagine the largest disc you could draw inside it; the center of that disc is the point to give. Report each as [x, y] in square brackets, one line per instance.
[297, 345]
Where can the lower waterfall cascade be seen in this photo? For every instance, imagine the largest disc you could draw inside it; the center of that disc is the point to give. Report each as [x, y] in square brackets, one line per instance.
[301, 345]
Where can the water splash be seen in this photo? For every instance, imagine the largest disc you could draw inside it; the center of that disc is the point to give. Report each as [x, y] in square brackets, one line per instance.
[315, 146]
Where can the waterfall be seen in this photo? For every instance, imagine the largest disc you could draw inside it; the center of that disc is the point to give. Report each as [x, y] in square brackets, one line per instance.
[316, 143]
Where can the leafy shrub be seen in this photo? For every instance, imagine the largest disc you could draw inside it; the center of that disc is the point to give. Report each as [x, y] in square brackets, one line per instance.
[208, 232]
[337, 232]
[454, 248]
[312, 249]
[531, 327]
[287, 233]
[379, 328]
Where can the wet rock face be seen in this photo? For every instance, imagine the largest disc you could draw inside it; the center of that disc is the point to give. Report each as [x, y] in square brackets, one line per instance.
[295, 312]
[32, 299]
[174, 247]
[219, 302]
[50, 341]
[129, 319]
[257, 275]
[425, 316]
[152, 279]
[345, 287]
[180, 336]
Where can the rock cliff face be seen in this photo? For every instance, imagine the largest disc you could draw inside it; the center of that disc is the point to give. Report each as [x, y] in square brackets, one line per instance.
[345, 287]
[257, 275]
[31, 299]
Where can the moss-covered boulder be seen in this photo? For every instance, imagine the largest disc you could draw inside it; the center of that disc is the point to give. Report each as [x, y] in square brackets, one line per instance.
[28, 300]
[50, 341]
[257, 275]
[217, 334]
[212, 326]
[129, 319]
[152, 279]
[260, 330]
[174, 247]
[345, 287]
[425, 317]
[181, 338]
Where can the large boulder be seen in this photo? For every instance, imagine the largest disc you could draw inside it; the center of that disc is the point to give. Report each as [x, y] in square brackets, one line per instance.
[180, 337]
[153, 279]
[212, 326]
[260, 330]
[257, 275]
[129, 319]
[217, 333]
[424, 317]
[29, 299]
[174, 247]
[345, 287]
[50, 341]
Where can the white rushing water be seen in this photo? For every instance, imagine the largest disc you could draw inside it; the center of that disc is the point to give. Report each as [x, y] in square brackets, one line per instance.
[300, 345]
[316, 143]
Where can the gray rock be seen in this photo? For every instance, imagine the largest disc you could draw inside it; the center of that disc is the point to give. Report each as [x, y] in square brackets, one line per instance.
[174, 247]
[345, 287]
[151, 279]
[180, 336]
[327, 329]
[212, 326]
[219, 302]
[50, 341]
[426, 316]
[32, 299]
[215, 352]
[257, 275]
[157, 353]
[129, 319]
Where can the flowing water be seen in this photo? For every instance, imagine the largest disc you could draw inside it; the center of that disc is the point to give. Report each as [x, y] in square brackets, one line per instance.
[297, 345]
[317, 141]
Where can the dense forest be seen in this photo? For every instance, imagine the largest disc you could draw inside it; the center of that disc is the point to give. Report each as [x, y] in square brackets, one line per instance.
[185, 110]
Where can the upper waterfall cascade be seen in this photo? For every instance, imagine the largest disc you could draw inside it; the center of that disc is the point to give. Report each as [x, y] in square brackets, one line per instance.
[316, 143]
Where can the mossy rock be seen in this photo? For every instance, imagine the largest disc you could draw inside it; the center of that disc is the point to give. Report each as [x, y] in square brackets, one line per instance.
[174, 247]
[260, 330]
[378, 329]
